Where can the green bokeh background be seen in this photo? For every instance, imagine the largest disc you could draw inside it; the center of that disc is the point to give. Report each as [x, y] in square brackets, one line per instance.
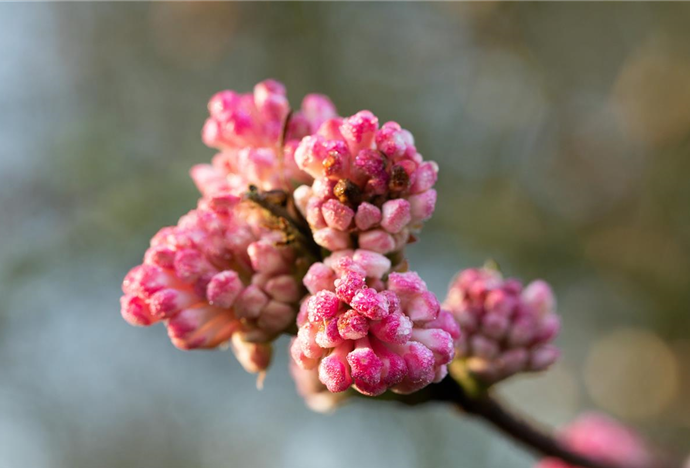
[562, 133]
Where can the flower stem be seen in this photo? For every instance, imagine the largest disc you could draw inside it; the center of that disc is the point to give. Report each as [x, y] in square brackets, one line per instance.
[484, 406]
[301, 229]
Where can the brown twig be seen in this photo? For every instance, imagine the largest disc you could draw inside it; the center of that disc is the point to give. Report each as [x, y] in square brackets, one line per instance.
[279, 211]
[523, 432]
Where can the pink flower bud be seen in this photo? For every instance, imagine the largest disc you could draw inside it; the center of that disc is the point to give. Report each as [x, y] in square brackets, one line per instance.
[438, 341]
[359, 130]
[406, 285]
[394, 368]
[310, 155]
[167, 302]
[423, 307]
[370, 164]
[284, 288]
[538, 296]
[332, 239]
[266, 258]
[548, 328]
[160, 256]
[419, 361]
[484, 347]
[391, 141]
[299, 358]
[395, 215]
[495, 326]
[330, 129]
[522, 331]
[250, 302]
[275, 317]
[135, 311]
[447, 323]
[328, 335]
[334, 371]
[269, 98]
[365, 365]
[318, 109]
[514, 361]
[318, 277]
[306, 337]
[542, 357]
[301, 195]
[394, 328]
[370, 303]
[224, 288]
[322, 306]
[201, 327]
[145, 280]
[314, 214]
[422, 205]
[377, 240]
[222, 102]
[348, 285]
[374, 264]
[337, 215]
[367, 216]
[500, 302]
[352, 325]
[424, 177]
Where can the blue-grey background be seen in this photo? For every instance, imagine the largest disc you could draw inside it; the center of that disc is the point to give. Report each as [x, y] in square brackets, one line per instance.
[562, 131]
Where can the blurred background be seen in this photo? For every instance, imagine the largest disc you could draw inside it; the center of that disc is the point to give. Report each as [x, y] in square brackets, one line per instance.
[563, 134]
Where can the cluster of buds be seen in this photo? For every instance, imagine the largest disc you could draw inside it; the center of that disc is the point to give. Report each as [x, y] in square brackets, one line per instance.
[506, 329]
[231, 271]
[600, 438]
[365, 328]
[219, 276]
[257, 137]
[371, 187]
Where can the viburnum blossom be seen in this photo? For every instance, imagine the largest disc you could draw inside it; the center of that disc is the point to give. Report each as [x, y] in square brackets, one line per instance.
[601, 438]
[506, 329]
[371, 187]
[248, 131]
[288, 188]
[221, 275]
[374, 331]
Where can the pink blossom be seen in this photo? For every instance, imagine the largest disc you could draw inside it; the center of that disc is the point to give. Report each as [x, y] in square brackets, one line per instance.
[371, 187]
[247, 129]
[506, 329]
[220, 274]
[601, 438]
[372, 338]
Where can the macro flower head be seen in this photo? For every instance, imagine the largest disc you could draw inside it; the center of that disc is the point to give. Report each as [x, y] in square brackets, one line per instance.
[222, 275]
[371, 187]
[257, 134]
[506, 328]
[371, 330]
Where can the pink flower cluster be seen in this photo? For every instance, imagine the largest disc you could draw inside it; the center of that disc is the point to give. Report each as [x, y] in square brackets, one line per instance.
[506, 329]
[215, 277]
[236, 270]
[371, 187]
[364, 327]
[601, 438]
[248, 131]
